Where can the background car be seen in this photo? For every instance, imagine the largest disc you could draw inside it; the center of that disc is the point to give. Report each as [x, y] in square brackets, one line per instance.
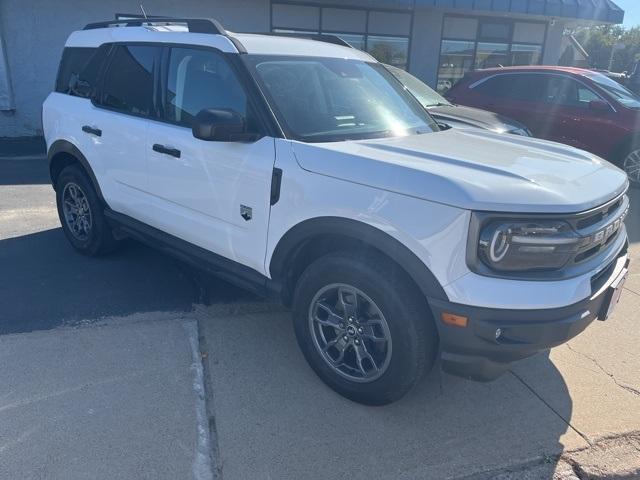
[578, 107]
[456, 115]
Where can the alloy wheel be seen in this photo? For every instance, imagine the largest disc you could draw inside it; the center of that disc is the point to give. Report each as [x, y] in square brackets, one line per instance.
[350, 333]
[631, 166]
[77, 212]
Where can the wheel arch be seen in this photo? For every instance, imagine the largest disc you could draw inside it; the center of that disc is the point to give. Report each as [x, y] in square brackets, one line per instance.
[630, 139]
[63, 153]
[315, 237]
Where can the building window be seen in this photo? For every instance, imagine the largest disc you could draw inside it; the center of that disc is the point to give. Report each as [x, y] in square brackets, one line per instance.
[382, 34]
[473, 43]
[391, 50]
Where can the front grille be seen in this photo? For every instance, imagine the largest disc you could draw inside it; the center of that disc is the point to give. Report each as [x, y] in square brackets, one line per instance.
[599, 216]
[599, 227]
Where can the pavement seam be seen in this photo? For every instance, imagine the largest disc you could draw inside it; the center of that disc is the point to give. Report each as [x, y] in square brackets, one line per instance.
[606, 372]
[584, 437]
[209, 403]
[203, 461]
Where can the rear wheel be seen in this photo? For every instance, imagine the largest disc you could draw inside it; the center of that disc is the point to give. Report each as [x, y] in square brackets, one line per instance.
[363, 327]
[82, 214]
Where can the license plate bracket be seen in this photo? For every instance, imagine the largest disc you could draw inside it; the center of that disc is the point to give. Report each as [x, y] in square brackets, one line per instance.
[613, 295]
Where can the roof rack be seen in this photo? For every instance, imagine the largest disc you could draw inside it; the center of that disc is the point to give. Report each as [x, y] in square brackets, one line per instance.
[195, 25]
[319, 37]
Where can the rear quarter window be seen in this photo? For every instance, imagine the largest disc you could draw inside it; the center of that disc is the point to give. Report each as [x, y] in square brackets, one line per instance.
[79, 70]
[73, 62]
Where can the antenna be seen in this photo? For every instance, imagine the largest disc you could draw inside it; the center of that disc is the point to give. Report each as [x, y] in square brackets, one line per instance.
[143, 12]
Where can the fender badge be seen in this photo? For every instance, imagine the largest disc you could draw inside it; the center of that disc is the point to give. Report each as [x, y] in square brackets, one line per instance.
[246, 212]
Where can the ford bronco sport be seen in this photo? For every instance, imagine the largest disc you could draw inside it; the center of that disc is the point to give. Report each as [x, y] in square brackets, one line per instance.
[305, 171]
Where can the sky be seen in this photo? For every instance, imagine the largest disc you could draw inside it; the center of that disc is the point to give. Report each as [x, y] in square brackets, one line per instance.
[632, 12]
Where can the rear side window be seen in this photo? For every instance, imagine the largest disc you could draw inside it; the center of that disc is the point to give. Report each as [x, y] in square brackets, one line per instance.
[128, 83]
[74, 60]
[524, 87]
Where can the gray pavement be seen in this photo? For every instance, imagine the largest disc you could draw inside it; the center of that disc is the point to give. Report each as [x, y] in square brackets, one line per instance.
[116, 401]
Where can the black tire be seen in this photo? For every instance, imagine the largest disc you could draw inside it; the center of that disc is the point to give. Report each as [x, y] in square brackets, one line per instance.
[98, 238]
[410, 325]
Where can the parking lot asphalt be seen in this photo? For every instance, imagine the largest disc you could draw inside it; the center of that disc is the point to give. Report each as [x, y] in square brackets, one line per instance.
[98, 375]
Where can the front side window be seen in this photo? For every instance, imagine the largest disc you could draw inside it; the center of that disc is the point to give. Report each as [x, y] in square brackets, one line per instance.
[198, 79]
[622, 94]
[128, 82]
[333, 99]
[569, 93]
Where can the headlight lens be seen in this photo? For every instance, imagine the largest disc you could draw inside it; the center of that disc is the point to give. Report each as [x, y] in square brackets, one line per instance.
[522, 245]
[521, 131]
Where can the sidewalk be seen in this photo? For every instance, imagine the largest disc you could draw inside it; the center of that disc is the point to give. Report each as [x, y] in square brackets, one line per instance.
[120, 400]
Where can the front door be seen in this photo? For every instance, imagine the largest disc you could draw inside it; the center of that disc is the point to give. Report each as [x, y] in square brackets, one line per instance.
[213, 194]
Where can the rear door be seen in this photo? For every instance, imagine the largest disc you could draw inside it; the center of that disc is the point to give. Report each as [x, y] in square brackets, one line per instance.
[119, 122]
[213, 194]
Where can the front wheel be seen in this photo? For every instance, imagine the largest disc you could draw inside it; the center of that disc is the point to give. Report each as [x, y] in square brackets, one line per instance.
[363, 327]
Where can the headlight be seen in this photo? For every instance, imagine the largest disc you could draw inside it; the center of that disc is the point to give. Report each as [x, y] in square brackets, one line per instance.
[521, 131]
[523, 245]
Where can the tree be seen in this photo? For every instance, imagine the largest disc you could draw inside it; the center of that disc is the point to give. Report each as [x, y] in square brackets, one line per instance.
[599, 41]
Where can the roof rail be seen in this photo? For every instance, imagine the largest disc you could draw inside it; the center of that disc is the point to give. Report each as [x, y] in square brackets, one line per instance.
[319, 37]
[195, 25]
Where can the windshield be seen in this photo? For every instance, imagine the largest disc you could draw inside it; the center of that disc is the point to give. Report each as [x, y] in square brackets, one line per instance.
[621, 94]
[334, 99]
[425, 94]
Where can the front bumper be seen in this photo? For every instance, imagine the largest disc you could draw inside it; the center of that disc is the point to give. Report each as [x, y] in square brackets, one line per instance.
[477, 353]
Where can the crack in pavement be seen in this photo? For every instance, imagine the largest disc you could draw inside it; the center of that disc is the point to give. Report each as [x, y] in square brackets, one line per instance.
[530, 388]
[606, 372]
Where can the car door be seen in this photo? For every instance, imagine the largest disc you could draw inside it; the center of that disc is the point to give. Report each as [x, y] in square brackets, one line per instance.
[120, 116]
[213, 194]
[577, 120]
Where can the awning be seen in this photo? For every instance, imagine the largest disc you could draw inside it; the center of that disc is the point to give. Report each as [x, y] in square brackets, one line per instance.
[595, 10]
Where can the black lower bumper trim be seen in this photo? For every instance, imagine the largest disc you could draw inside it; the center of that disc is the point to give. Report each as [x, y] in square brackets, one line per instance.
[494, 338]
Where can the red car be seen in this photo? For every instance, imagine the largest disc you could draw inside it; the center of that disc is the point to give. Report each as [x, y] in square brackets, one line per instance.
[582, 108]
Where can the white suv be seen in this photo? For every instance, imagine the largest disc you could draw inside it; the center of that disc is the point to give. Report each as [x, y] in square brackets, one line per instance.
[304, 171]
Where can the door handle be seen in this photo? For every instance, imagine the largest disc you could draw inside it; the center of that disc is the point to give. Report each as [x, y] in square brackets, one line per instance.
[174, 152]
[92, 130]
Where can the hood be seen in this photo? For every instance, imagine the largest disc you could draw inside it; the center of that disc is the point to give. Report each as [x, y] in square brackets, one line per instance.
[474, 117]
[472, 169]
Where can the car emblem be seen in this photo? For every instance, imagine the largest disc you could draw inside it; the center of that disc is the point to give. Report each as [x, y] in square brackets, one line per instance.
[246, 212]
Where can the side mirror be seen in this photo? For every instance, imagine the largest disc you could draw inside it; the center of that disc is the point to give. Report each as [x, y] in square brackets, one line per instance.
[599, 106]
[218, 125]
